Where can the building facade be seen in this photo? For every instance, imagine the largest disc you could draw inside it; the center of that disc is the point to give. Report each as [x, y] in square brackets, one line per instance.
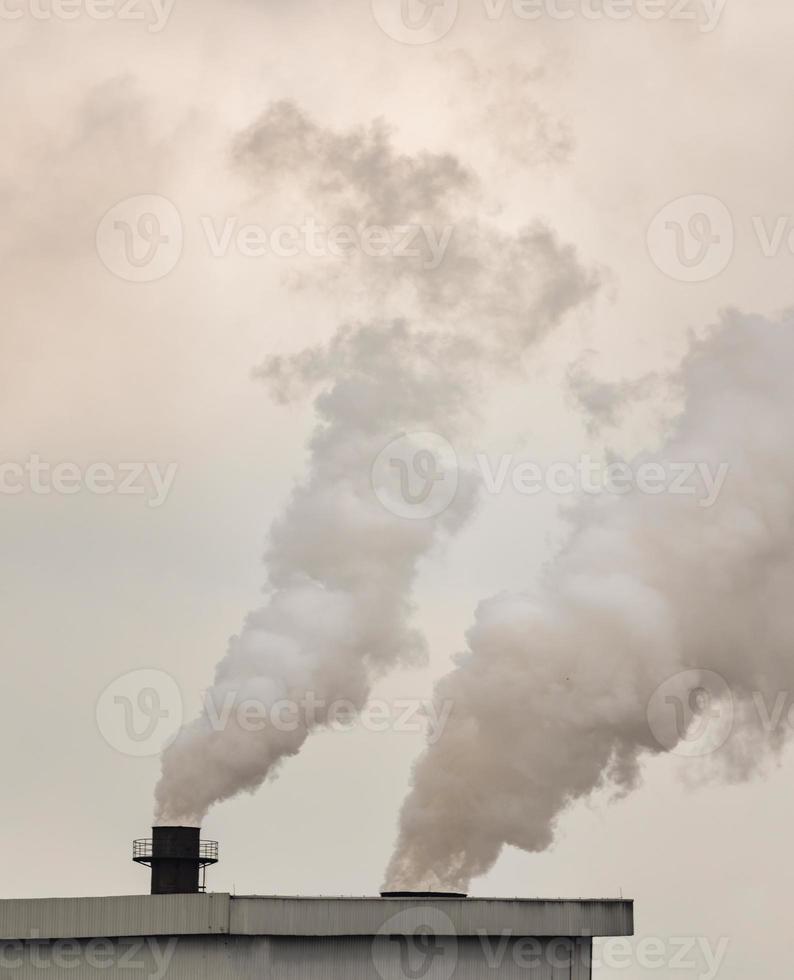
[224, 937]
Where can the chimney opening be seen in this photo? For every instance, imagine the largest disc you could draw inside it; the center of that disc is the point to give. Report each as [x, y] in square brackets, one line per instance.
[428, 895]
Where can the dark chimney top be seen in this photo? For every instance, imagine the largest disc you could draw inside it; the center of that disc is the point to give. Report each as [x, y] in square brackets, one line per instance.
[423, 895]
[178, 859]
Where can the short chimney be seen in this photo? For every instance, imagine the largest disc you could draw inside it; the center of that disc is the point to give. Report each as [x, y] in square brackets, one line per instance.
[178, 858]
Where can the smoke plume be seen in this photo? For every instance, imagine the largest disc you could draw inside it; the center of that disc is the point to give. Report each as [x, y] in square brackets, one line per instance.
[655, 604]
[340, 565]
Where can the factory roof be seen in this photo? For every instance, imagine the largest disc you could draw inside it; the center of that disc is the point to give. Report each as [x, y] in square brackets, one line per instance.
[228, 915]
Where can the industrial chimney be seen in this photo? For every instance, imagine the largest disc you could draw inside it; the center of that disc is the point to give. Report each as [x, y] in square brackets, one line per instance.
[178, 859]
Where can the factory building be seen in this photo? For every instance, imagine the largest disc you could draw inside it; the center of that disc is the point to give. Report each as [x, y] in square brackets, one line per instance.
[182, 933]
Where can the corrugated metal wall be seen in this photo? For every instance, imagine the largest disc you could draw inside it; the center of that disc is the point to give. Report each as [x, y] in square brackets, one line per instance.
[292, 958]
[183, 915]
[135, 915]
[467, 917]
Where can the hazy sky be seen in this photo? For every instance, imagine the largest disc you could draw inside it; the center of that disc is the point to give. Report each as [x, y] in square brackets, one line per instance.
[591, 124]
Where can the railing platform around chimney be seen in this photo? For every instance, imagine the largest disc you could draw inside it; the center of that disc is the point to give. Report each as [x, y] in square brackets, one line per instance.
[178, 858]
[143, 851]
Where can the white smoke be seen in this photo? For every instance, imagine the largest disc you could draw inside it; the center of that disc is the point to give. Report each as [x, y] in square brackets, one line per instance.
[558, 693]
[604, 402]
[340, 567]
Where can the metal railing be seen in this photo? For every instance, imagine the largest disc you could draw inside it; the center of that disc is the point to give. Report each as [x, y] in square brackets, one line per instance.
[143, 850]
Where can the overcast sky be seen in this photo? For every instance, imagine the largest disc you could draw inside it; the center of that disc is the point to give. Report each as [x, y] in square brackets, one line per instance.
[592, 125]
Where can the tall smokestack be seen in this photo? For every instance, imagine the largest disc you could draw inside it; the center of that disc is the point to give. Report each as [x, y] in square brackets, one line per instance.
[178, 859]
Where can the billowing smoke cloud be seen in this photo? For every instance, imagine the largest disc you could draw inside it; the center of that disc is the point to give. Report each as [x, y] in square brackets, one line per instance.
[340, 565]
[514, 286]
[604, 402]
[660, 625]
